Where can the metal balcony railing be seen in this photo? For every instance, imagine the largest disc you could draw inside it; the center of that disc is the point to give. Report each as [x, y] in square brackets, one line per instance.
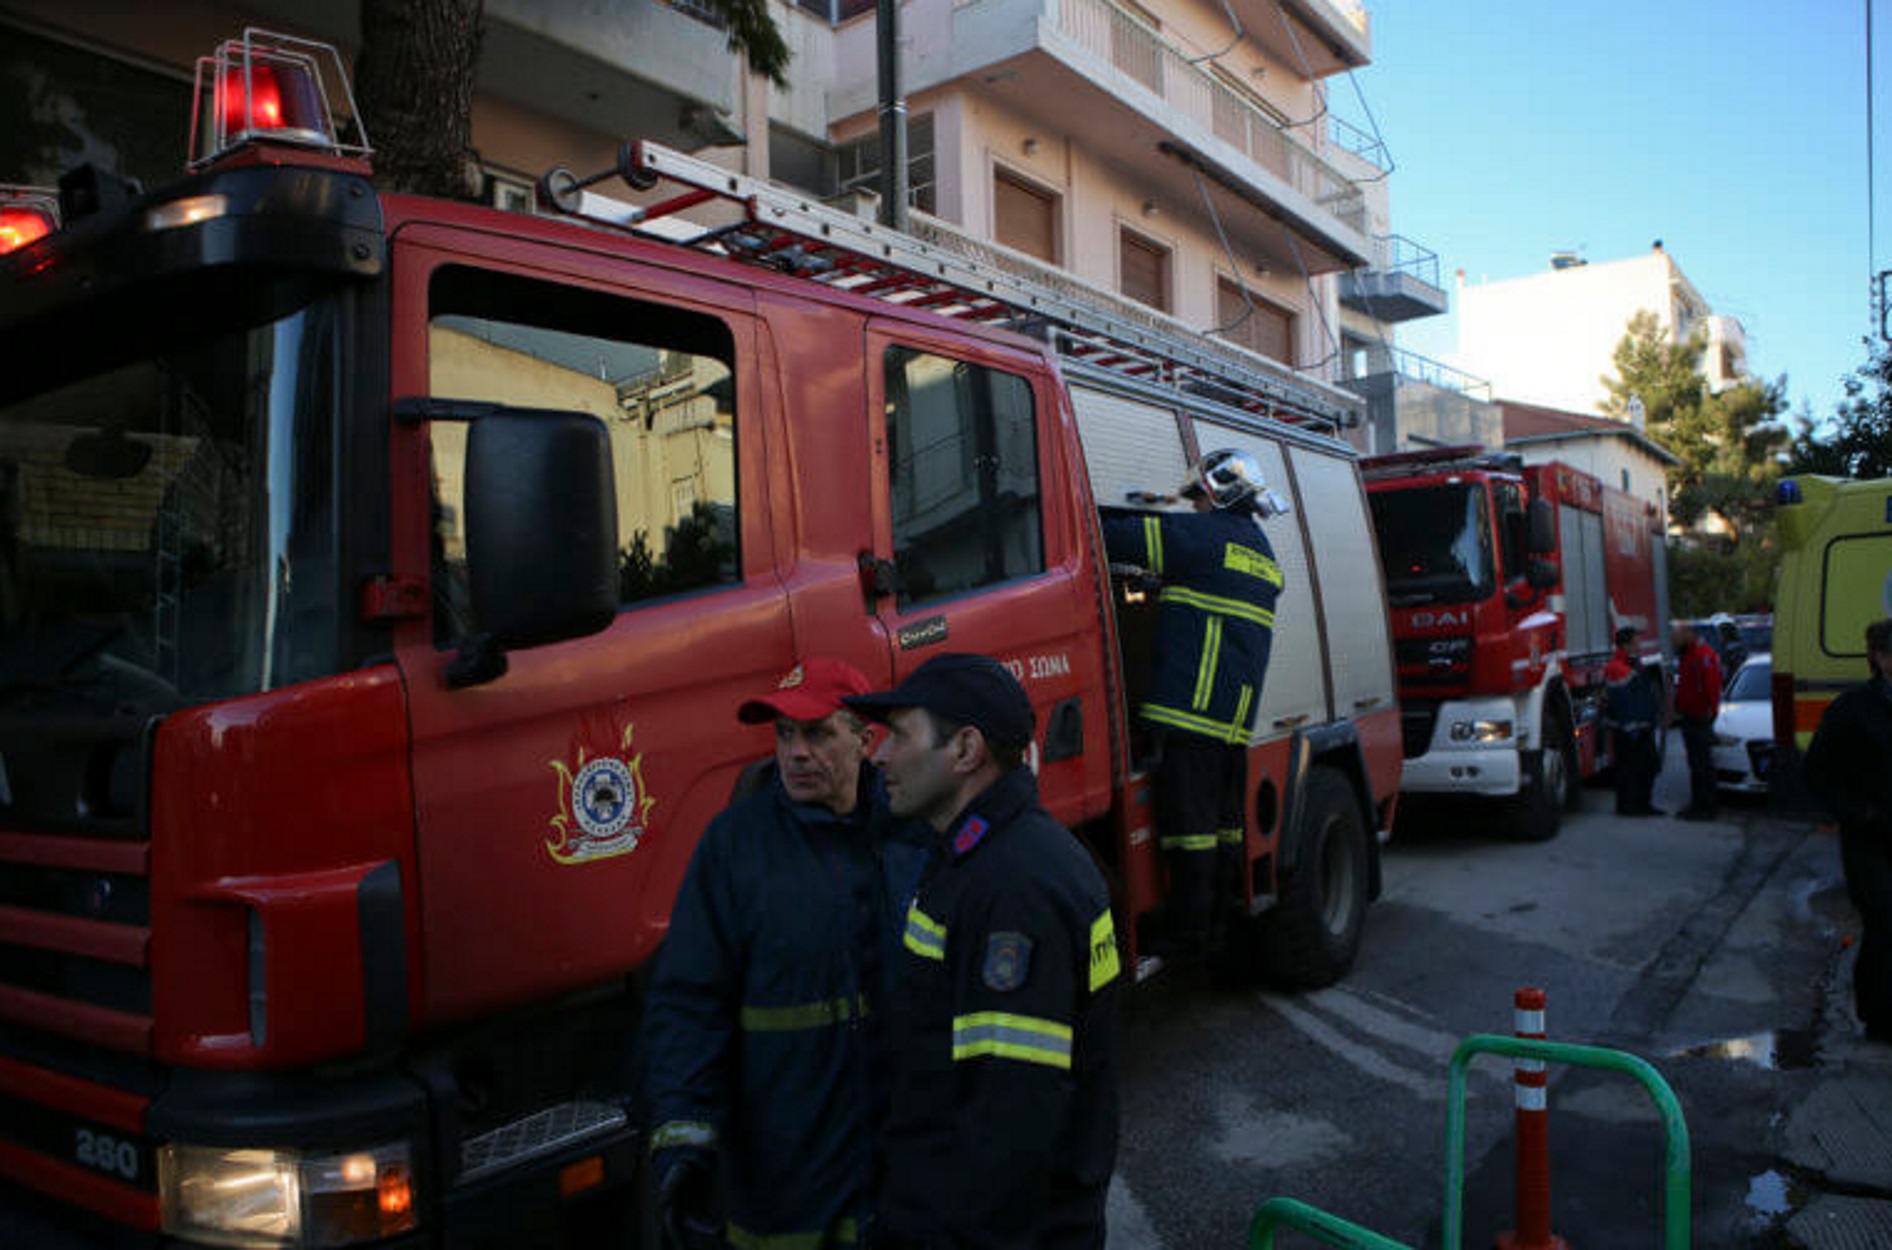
[1121, 39]
[1368, 147]
[1395, 253]
[1411, 366]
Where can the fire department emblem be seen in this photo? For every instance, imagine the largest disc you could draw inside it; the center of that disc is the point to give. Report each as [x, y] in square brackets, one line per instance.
[603, 806]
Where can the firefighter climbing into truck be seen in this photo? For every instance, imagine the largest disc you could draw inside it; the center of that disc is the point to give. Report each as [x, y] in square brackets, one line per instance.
[389, 573]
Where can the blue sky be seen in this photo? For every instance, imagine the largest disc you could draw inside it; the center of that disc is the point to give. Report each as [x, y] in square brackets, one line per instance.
[1735, 132]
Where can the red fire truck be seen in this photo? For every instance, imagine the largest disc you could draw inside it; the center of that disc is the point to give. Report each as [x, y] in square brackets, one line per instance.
[379, 581]
[1507, 583]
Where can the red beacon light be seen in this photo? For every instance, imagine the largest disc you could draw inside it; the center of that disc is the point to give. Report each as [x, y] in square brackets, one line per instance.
[27, 215]
[267, 88]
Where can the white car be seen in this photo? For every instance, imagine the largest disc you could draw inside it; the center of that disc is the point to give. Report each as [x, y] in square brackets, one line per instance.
[1744, 728]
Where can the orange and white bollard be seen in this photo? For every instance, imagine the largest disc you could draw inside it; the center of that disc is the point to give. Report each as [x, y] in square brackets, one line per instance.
[1533, 1136]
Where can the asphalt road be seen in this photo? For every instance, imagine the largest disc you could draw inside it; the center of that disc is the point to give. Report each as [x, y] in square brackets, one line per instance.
[1704, 948]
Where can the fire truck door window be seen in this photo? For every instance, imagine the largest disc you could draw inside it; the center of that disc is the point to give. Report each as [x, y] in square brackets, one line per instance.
[963, 455]
[662, 380]
[1510, 529]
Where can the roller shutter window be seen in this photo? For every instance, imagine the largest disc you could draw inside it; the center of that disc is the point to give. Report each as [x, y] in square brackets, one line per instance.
[1025, 217]
[1269, 330]
[1143, 268]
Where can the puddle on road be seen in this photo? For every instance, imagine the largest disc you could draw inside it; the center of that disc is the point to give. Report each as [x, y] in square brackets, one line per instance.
[1767, 1194]
[1778, 1051]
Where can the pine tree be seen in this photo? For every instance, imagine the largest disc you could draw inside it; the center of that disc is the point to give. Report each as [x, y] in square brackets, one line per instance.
[1858, 443]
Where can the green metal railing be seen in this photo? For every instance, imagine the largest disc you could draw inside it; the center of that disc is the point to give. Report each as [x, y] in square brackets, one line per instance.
[1675, 1165]
[1276, 1214]
[1279, 1213]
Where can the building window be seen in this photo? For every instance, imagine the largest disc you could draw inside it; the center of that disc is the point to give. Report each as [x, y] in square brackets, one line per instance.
[963, 456]
[1024, 217]
[1625, 479]
[660, 378]
[61, 104]
[1253, 322]
[860, 164]
[1143, 270]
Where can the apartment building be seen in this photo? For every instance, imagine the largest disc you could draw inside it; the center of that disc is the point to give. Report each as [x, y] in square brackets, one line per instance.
[1550, 338]
[1176, 154]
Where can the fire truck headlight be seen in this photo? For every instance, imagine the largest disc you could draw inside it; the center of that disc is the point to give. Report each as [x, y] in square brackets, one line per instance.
[230, 1196]
[1483, 731]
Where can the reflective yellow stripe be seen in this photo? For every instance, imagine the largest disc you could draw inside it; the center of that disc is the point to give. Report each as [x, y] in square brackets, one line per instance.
[1229, 837]
[926, 937]
[1188, 842]
[1240, 559]
[1218, 606]
[1001, 1035]
[682, 1133]
[803, 1015]
[844, 1233]
[1205, 666]
[1175, 717]
[1238, 731]
[1153, 543]
[1104, 962]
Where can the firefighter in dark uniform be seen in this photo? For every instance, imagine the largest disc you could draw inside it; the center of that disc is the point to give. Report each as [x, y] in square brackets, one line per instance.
[1849, 770]
[1003, 1133]
[1214, 629]
[769, 1060]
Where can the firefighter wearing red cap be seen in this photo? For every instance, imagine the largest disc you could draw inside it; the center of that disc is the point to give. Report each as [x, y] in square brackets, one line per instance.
[766, 1022]
[1003, 1131]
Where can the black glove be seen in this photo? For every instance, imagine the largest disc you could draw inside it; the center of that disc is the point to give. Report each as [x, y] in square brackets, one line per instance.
[686, 1202]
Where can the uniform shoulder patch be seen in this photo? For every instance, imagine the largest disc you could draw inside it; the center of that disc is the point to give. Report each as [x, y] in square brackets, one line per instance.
[1007, 961]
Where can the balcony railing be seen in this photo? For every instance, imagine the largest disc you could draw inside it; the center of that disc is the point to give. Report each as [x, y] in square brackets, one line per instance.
[1368, 147]
[1411, 366]
[1395, 253]
[1142, 55]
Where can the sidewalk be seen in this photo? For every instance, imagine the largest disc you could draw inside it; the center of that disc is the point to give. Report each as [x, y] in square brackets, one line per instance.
[1839, 1140]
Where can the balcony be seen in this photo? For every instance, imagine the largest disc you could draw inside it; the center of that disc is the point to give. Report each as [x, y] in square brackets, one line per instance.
[1403, 282]
[614, 67]
[1095, 72]
[1414, 401]
[1315, 38]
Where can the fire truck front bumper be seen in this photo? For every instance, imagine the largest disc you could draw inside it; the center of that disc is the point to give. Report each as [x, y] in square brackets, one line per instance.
[1467, 746]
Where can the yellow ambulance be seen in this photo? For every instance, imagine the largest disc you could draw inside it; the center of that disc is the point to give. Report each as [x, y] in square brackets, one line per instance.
[1835, 579]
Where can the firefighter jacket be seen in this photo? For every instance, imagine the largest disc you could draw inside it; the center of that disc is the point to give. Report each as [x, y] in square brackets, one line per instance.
[766, 1021]
[1004, 1127]
[1215, 619]
[1629, 700]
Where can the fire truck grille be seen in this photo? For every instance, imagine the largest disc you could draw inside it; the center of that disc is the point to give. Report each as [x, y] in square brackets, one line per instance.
[75, 899]
[1416, 723]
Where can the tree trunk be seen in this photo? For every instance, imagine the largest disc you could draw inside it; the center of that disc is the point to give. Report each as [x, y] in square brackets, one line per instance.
[415, 79]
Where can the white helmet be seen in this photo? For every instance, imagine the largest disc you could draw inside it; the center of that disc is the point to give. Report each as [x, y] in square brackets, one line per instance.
[1230, 478]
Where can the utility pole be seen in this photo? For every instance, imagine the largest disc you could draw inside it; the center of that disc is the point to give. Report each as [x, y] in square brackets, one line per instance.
[893, 117]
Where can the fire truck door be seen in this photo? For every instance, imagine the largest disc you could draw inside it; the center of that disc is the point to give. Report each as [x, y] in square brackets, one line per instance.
[558, 804]
[979, 542]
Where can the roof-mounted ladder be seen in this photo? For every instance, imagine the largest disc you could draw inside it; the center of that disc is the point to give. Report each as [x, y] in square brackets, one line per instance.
[792, 234]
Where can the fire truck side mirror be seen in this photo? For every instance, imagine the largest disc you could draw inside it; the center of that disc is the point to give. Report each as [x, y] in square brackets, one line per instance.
[1543, 531]
[541, 525]
[1541, 574]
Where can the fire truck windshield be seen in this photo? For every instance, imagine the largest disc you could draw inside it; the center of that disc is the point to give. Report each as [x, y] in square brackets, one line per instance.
[1435, 543]
[167, 525]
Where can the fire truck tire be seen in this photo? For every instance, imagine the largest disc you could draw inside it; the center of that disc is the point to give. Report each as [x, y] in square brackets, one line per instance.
[1550, 786]
[1311, 935]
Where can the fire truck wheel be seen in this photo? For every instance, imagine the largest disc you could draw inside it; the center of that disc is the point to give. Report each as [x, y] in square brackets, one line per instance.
[1311, 935]
[1550, 777]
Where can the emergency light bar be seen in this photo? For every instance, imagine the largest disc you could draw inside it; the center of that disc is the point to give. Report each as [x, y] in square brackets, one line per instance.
[27, 215]
[269, 88]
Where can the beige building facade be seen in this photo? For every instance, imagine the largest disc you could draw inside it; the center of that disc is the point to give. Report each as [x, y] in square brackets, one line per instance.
[1550, 338]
